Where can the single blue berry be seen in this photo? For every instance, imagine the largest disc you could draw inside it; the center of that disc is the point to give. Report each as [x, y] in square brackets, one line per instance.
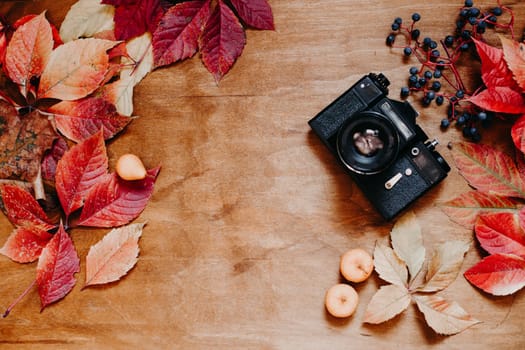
[463, 13]
[437, 74]
[413, 70]
[497, 11]
[464, 46]
[460, 94]
[472, 20]
[395, 26]
[407, 51]
[390, 39]
[492, 20]
[466, 34]
[461, 120]
[422, 81]
[439, 100]
[436, 86]
[416, 16]
[427, 41]
[415, 34]
[474, 12]
[405, 91]
[428, 74]
[445, 123]
[449, 40]
[412, 80]
[482, 116]
[435, 54]
[433, 45]
[398, 20]
[431, 95]
[469, 3]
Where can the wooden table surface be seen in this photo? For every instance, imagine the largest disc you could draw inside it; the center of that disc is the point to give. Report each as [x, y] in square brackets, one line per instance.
[250, 212]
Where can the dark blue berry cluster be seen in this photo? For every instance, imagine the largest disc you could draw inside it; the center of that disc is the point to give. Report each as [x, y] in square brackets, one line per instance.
[438, 78]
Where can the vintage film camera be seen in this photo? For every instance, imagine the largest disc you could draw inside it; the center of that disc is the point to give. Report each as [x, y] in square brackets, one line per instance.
[378, 141]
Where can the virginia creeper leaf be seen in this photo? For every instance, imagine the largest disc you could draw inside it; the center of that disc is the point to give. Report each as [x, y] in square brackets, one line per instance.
[25, 244]
[388, 302]
[56, 268]
[488, 170]
[23, 209]
[389, 266]
[494, 69]
[407, 242]
[255, 13]
[51, 158]
[135, 17]
[86, 18]
[501, 233]
[500, 99]
[465, 208]
[113, 256]
[75, 69]
[78, 120]
[442, 316]
[498, 274]
[518, 133]
[23, 141]
[444, 265]
[79, 170]
[222, 41]
[56, 36]
[177, 35]
[28, 51]
[515, 57]
[115, 202]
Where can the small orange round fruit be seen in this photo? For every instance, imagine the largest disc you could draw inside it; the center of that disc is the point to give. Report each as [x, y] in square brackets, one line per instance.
[129, 167]
[356, 265]
[341, 300]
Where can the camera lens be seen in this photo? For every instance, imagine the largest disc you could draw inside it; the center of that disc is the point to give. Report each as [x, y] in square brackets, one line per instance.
[367, 143]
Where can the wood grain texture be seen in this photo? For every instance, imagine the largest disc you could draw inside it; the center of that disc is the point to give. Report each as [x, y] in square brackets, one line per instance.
[251, 213]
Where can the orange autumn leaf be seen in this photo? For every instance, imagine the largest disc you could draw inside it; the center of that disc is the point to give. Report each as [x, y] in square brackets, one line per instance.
[28, 51]
[75, 69]
[112, 257]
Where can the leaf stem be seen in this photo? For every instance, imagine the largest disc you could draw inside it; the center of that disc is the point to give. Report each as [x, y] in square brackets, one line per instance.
[17, 300]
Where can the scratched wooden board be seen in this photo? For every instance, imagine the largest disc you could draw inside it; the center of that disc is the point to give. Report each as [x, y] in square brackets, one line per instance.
[251, 213]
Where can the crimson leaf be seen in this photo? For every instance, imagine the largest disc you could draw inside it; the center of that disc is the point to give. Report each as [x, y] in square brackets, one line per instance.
[135, 17]
[255, 13]
[78, 170]
[177, 35]
[56, 268]
[222, 41]
[115, 202]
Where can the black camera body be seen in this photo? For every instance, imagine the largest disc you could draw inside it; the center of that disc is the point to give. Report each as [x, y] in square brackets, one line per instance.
[378, 142]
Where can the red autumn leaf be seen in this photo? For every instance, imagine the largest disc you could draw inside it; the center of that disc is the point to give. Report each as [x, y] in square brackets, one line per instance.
[51, 158]
[57, 265]
[255, 13]
[28, 52]
[135, 17]
[498, 274]
[494, 69]
[25, 244]
[501, 99]
[75, 69]
[488, 170]
[79, 170]
[113, 256]
[78, 120]
[116, 202]
[222, 41]
[177, 35]
[515, 57]
[518, 133]
[23, 209]
[501, 233]
[465, 208]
